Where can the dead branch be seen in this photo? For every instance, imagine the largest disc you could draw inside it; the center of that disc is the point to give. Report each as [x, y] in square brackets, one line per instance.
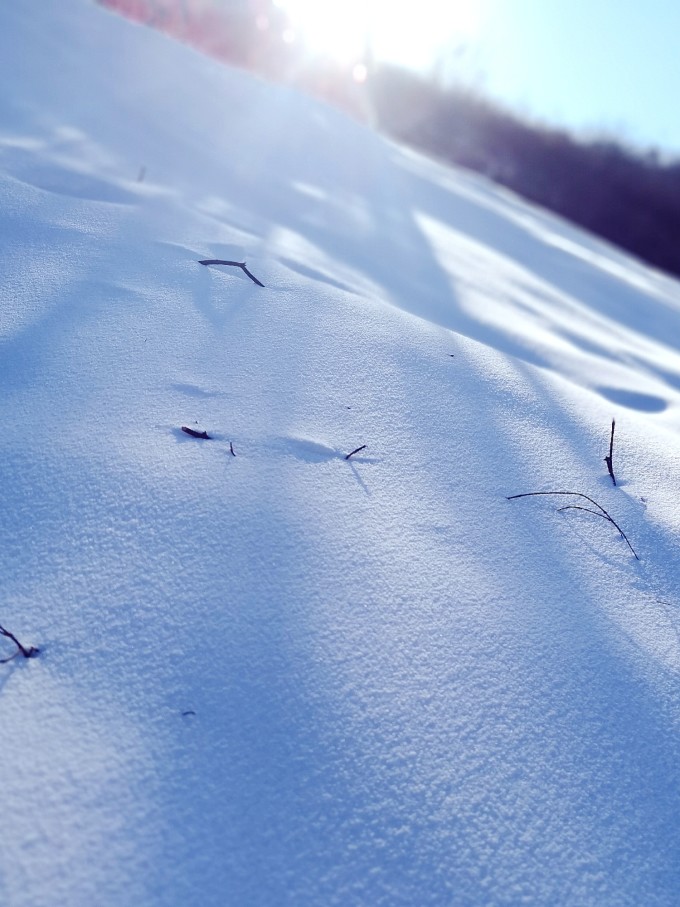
[584, 509]
[221, 261]
[29, 652]
[231, 449]
[599, 512]
[608, 459]
[252, 276]
[578, 494]
[604, 517]
[233, 264]
[363, 447]
[196, 434]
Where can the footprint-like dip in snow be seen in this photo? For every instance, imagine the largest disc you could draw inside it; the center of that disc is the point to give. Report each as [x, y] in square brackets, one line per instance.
[192, 390]
[646, 403]
[76, 185]
[308, 449]
[315, 275]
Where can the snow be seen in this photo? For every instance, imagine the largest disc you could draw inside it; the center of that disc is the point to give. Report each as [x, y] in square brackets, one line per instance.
[281, 677]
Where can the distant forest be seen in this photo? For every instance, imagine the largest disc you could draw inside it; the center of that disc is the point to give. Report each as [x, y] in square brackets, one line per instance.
[629, 197]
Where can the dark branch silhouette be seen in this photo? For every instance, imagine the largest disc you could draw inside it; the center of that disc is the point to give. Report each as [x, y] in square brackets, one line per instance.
[29, 652]
[233, 264]
[599, 512]
[608, 459]
[196, 434]
[231, 449]
[363, 447]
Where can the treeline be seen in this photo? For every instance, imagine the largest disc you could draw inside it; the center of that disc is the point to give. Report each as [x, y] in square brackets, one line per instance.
[628, 197]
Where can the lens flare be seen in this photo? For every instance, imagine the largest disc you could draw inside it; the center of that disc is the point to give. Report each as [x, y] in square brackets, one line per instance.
[409, 34]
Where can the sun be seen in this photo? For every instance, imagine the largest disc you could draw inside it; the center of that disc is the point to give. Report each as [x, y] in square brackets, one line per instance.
[410, 34]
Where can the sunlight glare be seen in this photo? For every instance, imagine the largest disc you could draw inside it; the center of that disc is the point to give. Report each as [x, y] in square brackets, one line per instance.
[408, 34]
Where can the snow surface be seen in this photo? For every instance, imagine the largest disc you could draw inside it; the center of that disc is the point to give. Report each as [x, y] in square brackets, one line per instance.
[284, 677]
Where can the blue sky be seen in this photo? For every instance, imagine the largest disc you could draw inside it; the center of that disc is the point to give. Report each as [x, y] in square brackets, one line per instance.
[594, 64]
[603, 66]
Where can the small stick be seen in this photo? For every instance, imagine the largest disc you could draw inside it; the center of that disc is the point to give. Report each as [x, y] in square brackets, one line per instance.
[196, 434]
[608, 518]
[363, 447]
[602, 513]
[608, 459]
[532, 494]
[252, 276]
[233, 264]
[29, 652]
[231, 448]
[221, 261]
[585, 510]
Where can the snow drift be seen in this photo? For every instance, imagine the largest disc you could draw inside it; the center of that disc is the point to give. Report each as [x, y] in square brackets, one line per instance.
[270, 674]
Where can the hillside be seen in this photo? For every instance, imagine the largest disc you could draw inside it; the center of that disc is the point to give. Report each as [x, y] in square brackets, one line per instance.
[624, 194]
[269, 674]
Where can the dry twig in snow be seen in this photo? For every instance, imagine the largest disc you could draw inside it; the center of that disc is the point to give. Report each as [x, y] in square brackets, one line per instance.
[196, 434]
[363, 447]
[29, 652]
[608, 459]
[233, 264]
[599, 512]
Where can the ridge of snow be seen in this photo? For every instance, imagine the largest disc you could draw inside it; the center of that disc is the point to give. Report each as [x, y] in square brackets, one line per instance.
[268, 674]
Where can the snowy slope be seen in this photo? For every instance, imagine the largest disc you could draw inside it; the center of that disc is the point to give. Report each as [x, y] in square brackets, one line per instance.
[282, 677]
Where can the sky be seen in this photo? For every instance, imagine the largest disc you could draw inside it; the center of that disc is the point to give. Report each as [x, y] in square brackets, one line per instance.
[593, 65]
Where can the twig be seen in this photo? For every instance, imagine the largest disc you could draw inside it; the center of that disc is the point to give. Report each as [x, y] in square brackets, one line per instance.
[233, 264]
[585, 510]
[604, 517]
[532, 494]
[608, 459]
[196, 434]
[221, 261]
[252, 276]
[29, 652]
[602, 512]
[363, 447]
[231, 449]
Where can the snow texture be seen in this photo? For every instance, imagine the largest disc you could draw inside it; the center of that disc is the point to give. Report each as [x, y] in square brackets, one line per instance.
[270, 675]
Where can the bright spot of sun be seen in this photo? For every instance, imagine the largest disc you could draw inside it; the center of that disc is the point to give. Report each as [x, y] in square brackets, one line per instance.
[359, 72]
[411, 34]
